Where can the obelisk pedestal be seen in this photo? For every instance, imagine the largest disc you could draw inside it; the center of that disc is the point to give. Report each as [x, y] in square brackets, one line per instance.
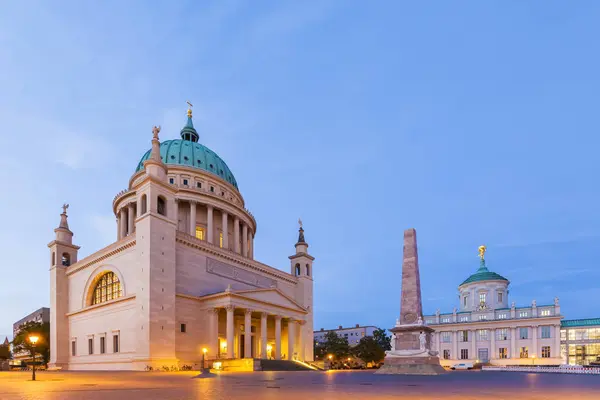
[411, 340]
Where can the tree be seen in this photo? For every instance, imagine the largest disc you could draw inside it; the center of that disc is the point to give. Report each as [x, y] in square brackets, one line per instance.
[4, 352]
[319, 350]
[336, 345]
[382, 339]
[369, 350]
[21, 341]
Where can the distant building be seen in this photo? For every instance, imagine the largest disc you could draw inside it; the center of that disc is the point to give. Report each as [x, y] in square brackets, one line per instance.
[489, 329]
[353, 334]
[580, 341]
[41, 315]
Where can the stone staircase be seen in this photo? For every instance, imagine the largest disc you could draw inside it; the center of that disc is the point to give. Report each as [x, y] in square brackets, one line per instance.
[282, 365]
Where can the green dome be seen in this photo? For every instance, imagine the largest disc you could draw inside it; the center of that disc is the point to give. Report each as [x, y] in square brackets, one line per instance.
[188, 152]
[483, 274]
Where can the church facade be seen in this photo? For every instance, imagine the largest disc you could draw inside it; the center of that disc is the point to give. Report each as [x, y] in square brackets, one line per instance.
[487, 328]
[181, 277]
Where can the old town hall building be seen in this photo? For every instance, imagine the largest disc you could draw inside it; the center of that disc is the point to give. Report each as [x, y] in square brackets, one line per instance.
[181, 276]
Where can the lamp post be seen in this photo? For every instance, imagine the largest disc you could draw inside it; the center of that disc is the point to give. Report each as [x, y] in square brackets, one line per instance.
[33, 339]
[204, 350]
[330, 357]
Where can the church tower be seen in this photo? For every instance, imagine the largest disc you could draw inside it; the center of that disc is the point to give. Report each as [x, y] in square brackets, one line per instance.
[301, 266]
[155, 231]
[63, 253]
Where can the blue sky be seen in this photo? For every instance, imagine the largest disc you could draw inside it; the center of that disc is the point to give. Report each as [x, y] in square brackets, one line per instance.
[474, 122]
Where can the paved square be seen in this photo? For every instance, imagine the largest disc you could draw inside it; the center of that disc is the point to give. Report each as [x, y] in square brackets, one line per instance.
[296, 385]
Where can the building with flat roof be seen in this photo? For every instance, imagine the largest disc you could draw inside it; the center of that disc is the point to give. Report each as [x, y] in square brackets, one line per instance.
[580, 341]
[40, 315]
[353, 334]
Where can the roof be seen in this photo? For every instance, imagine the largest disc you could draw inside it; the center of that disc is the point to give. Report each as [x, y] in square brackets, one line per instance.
[572, 323]
[483, 274]
[347, 328]
[188, 152]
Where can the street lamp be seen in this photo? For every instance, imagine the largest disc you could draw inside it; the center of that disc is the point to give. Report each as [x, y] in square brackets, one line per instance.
[204, 350]
[33, 339]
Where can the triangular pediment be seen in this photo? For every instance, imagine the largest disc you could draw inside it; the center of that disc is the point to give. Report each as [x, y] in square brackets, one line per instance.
[272, 296]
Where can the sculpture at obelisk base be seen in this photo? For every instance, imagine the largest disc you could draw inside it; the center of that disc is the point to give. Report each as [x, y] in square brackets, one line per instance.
[411, 352]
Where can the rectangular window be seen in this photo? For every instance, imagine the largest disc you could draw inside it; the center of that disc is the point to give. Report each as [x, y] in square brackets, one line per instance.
[171, 181]
[563, 334]
[445, 319]
[482, 297]
[464, 319]
[185, 182]
[502, 334]
[73, 348]
[524, 352]
[199, 185]
[182, 327]
[446, 354]
[545, 351]
[483, 334]
[115, 343]
[523, 333]
[546, 332]
[464, 354]
[465, 300]
[499, 297]
[362, 334]
[212, 189]
[102, 345]
[221, 239]
[199, 233]
[522, 314]
[446, 337]
[483, 317]
[502, 352]
[464, 336]
[545, 312]
[90, 346]
[502, 316]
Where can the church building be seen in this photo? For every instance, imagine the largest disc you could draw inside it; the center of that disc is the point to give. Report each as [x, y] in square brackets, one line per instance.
[181, 278]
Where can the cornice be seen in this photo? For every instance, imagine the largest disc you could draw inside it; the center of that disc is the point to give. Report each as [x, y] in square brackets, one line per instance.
[302, 255]
[191, 241]
[504, 323]
[60, 242]
[101, 305]
[101, 255]
[220, 295]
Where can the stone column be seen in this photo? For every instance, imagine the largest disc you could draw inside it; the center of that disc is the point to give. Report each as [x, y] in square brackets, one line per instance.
[224, 229]
[556, 352]
[291, 338]
[513, 343]
[213, 336]
[301, 342]
[251, 249]
[230, 330]
[454, 354]
[236, 235]
[474, 345]
[534, 333]
[123, 222]
[193, 218]
[209, 218]
[278, 337]
[130, 219]
[247, 334]
[118, 226]
[263, 335]
[493, 344]
[437, 343]
[245, 240]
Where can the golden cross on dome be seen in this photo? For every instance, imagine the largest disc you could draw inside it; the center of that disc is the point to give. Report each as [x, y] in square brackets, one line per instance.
[189, 111]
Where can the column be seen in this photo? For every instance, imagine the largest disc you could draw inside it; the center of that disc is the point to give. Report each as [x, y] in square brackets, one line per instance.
[513, 343]
[534, 350]
[437, 343]
[278, 337]
[230, 329]
[301, 343]
[123, 223]
[213, 336]
[209, 218]
[493, 344]
[263, 335]
[245, 240]
[224, 228]
[556, 351]
[192, 218]
[130, 218]
[118, 226]
[139, 206]
[236, 235]
[176, 213]
[291, 338]
[474, 346]
[454, 354]
[251, 249]
[248, 334]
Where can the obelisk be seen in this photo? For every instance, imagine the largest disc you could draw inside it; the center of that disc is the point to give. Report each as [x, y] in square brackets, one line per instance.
[411, 339]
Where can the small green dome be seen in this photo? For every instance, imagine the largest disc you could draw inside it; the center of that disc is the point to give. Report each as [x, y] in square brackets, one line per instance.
[483, 274]
[188, 152]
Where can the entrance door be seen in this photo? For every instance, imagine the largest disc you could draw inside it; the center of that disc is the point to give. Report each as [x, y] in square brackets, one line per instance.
[483, 355]
[242, 344]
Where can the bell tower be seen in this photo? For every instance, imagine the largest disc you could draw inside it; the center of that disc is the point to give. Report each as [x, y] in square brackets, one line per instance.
[63, 253]
[301, 266]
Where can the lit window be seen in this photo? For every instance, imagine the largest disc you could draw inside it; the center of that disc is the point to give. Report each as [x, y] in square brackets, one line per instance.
[445, 319]
[502, 334]
[545, 313]
[545, 332]
[522, 314]
[499, 297]
[524, 352]
[446, 354]
[446, 338]
[502, 316]
[523, 333]
[482, 297]
[107, 288]
[545, 351]
[464, 319]
[199, 233]
[464, 354]
[482, 317]
[502, 352]
[221, 239]
[483, 334]
[464, 336]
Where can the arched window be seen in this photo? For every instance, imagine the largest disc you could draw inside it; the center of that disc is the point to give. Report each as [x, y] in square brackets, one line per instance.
[107, 288]
[144, 204]
[297, 269]
[53, 258]
[161, 206]
[66, 259]
[221, 239]
[307, 270]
